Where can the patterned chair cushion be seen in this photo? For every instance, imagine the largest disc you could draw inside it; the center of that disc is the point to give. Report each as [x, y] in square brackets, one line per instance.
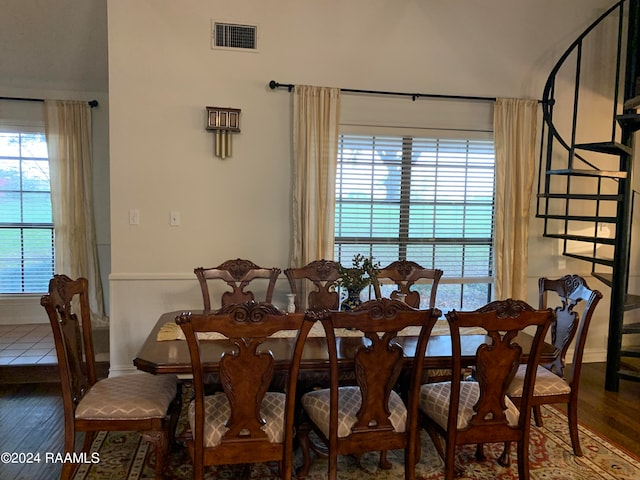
[316, 404]
[434, 400]
[128, 397]
[217, 412]
[547, 383]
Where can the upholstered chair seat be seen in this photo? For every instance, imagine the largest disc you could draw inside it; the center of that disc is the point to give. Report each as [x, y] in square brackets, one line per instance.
[435, 398]
[547, 383]
[217, 411]
[316, 405]
[128, 397]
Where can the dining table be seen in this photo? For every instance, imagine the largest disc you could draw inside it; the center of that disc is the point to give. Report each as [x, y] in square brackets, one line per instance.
[160, 355]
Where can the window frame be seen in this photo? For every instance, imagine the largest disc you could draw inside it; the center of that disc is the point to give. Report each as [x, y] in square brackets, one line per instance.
[27, 128]
[409, 136]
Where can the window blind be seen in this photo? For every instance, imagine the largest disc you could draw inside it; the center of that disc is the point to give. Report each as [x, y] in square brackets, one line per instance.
[26, 225]
[430, 200]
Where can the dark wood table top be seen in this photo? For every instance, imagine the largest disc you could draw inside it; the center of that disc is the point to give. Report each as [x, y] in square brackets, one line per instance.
[172, 356]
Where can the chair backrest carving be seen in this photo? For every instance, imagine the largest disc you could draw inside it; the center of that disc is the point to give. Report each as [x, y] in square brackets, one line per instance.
[379, 361]
[72, 336]
[570, 290]
[497, 360]
[237, 274]
[322, 274]
[246, 372]
[405, 274]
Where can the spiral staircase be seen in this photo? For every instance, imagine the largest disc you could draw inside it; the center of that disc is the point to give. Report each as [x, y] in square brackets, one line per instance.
[585, 185]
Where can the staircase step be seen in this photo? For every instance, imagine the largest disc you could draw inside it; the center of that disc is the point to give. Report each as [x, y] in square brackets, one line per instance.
[578, 218]
[588, 173]
[632, 103]
[581, 238]
[631, 327]
[629, 363]
[630, 351]
[631, 302]
[630, 121]
[631, 375]
[582, 196]
[606, 278]
[599, 261]
[613, 148]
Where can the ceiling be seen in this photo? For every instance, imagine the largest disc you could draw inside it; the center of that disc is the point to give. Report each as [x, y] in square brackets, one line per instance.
[54, 45]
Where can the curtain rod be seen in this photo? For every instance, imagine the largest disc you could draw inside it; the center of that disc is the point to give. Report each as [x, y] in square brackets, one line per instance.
[92, 103]
[414, 96]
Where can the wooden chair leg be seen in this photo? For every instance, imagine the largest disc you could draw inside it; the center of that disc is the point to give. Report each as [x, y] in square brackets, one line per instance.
[572, 415]
[480, 456]
[411, 458]
[88, 440]
[160, 443]
[505, 458]
[537, 415]
[69, 447]
[333, 465]
[198, 470]
[450, 468]
[523, 460]
[174, 415]
[447, 452]
[384, 464]
[305, 448]
[68, 470]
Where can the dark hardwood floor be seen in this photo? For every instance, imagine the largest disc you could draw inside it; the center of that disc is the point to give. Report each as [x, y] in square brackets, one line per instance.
[31, 419]
[31, 422]
[615, 415]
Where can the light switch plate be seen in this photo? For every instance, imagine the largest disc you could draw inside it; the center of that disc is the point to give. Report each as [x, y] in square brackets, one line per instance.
[134, 216]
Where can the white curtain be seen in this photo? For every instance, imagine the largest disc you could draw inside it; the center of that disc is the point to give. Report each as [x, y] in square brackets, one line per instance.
[68, 131]
[515, 123]
[316, 112]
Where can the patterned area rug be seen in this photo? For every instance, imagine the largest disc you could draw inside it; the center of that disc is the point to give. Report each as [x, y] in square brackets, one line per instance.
[122, 456]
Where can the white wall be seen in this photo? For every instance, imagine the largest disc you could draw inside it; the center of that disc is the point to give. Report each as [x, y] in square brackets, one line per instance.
[163, 74]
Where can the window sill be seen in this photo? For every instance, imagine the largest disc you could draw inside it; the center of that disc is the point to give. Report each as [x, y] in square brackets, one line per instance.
[21, 309]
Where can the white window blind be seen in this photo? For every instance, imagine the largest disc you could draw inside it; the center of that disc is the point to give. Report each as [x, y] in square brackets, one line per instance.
[430, 200]
[26, 226]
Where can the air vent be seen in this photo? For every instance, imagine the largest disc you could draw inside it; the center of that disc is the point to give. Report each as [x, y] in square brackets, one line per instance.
[234, 36]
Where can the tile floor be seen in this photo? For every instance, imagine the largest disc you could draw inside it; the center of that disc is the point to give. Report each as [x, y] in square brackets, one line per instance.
[27, 345]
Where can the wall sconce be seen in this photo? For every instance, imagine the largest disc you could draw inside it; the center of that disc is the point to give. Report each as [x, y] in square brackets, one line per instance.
[224, 121]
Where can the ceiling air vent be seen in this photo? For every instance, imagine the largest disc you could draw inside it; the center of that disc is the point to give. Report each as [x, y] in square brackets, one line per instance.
[234, 36]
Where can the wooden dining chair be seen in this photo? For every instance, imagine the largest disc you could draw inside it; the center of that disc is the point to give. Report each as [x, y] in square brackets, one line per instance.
[315, 280]
[246, 422]
[137, 402]
[463, 412]
[370, 415]
[237, 274]
[553, 384]
[405, 274]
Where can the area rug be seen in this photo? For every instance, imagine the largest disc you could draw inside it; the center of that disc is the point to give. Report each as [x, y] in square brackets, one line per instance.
[122, 457]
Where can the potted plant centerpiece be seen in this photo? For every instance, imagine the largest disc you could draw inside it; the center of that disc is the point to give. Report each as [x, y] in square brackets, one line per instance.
[362, 273]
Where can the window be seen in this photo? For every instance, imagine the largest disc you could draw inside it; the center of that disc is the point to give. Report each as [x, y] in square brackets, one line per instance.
[26, 225]
[430, 200]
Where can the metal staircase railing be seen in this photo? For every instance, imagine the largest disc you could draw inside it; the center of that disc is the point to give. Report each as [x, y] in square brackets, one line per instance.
[585, 188]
